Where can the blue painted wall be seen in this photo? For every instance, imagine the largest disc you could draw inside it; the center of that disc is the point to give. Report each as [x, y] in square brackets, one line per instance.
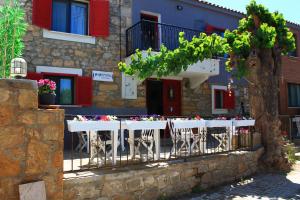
[194, 15]
[192, 12]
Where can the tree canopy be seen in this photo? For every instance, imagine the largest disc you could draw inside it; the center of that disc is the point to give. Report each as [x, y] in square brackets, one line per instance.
[259, 29]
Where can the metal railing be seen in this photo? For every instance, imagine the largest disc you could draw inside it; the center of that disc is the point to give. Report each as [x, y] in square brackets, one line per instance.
[148, 34]
[91, 150]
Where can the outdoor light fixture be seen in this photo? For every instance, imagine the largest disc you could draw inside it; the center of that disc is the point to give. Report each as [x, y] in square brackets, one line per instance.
[179, 7]
[18, 68]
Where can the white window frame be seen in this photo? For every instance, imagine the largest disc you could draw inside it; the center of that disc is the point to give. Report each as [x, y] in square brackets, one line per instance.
[214, 110]
[59, 70]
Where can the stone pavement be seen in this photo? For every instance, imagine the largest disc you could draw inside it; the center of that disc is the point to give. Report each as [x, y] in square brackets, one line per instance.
[266, 186]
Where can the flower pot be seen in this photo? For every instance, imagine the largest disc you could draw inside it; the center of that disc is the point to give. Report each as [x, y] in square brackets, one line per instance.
[46, 99]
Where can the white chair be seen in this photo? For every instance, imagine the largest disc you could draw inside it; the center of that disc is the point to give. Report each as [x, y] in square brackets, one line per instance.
[99, 146]
[83, 143]
[146, 140]
[182, 136]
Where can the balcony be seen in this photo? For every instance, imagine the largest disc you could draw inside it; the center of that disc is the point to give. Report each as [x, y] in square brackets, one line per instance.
[147, 34]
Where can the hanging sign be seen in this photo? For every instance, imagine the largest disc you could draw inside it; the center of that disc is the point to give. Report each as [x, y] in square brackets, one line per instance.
[102, 76]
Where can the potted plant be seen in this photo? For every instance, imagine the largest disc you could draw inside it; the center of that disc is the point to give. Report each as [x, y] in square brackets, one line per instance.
[46, 92]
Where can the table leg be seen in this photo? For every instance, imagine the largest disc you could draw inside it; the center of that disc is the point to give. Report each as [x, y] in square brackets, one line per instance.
[131, 143]
[157, 144]
[88, 142]
[114, 146]
[122, 140]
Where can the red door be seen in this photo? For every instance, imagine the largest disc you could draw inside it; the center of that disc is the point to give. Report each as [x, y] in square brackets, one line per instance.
[172, 97]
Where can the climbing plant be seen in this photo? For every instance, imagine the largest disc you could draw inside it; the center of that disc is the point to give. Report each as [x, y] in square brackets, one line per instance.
[255, 49]
[12, 29]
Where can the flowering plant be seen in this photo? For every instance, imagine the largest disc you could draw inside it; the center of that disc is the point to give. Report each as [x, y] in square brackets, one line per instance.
[46, 86]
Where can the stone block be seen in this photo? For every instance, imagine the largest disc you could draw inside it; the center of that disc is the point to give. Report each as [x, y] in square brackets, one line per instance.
[54, 132]
[163, 181]
[9, 166]
[11, 137]
[28, 118]
[32, 191]
[108, 87]
[6, 115]
[28, 99]
[135, 184]
[4, 96]
[37, 157]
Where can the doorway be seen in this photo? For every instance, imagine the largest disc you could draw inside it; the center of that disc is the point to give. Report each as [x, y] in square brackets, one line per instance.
[150, 31]
[154, 95]
[163, 97]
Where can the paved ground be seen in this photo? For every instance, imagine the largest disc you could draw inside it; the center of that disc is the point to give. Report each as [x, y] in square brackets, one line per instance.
[267, 186]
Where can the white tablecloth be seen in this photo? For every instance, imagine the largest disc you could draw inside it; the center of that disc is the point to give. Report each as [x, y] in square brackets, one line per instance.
[76, 126]
[178, 123]
[239, 123]
[143, 125]
[218, 123]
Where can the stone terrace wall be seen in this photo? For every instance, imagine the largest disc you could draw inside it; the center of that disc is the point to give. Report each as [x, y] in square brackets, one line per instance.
[163, 180]
[31, 141]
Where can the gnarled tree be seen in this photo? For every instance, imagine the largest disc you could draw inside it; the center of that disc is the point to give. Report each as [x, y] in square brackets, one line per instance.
[255, 49]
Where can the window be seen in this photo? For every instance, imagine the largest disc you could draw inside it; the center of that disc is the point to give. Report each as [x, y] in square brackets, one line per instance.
[219, 99]
[222, 100]
[293, 95]
[70, 16]
[64, 90]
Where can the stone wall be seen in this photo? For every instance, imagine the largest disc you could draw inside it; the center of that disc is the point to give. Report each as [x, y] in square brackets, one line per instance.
[31, 141]
[163, 179]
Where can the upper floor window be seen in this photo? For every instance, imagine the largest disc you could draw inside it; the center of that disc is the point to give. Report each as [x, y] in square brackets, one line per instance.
[85, 17]
[70, 16]
[293, 95]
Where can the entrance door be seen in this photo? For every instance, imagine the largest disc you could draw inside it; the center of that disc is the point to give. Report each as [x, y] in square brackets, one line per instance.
[150, 33]
[171, 97]
[154, 94]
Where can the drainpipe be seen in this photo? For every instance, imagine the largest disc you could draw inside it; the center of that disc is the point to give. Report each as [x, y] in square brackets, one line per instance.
[120, 36]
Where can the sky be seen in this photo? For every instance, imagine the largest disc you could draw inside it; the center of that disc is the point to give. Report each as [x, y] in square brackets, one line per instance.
[289, 8]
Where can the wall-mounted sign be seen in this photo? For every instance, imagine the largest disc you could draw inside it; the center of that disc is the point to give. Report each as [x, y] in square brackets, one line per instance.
[102, 76]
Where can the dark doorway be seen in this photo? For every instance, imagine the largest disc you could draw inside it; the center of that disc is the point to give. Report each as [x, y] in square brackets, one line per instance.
[154, 94]
[150, 32]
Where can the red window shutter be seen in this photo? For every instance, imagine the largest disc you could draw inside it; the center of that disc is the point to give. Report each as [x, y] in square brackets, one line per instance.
[99, 18]
[34, 76]
[42, 13]
[84, 90]
[229, 100]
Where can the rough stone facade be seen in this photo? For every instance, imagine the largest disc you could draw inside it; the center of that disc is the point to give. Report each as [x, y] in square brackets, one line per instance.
[164, 179]
[31, 141]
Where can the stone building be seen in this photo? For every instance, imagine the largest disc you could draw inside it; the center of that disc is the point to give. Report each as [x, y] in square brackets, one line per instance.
[78, 44]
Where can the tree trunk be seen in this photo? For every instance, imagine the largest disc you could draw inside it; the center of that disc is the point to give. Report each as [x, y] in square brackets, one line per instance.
[264, 74]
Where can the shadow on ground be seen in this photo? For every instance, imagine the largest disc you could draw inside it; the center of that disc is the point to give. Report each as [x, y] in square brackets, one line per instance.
[262, 186]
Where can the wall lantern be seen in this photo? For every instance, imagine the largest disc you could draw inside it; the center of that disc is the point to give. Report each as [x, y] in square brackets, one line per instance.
[179, 7]
[18, 68]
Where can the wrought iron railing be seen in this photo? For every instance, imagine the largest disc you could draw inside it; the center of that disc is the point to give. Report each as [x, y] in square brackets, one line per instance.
[148, 34]
[90, 150]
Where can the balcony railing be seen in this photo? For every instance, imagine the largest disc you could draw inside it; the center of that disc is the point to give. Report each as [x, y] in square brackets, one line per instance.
[148, 34]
